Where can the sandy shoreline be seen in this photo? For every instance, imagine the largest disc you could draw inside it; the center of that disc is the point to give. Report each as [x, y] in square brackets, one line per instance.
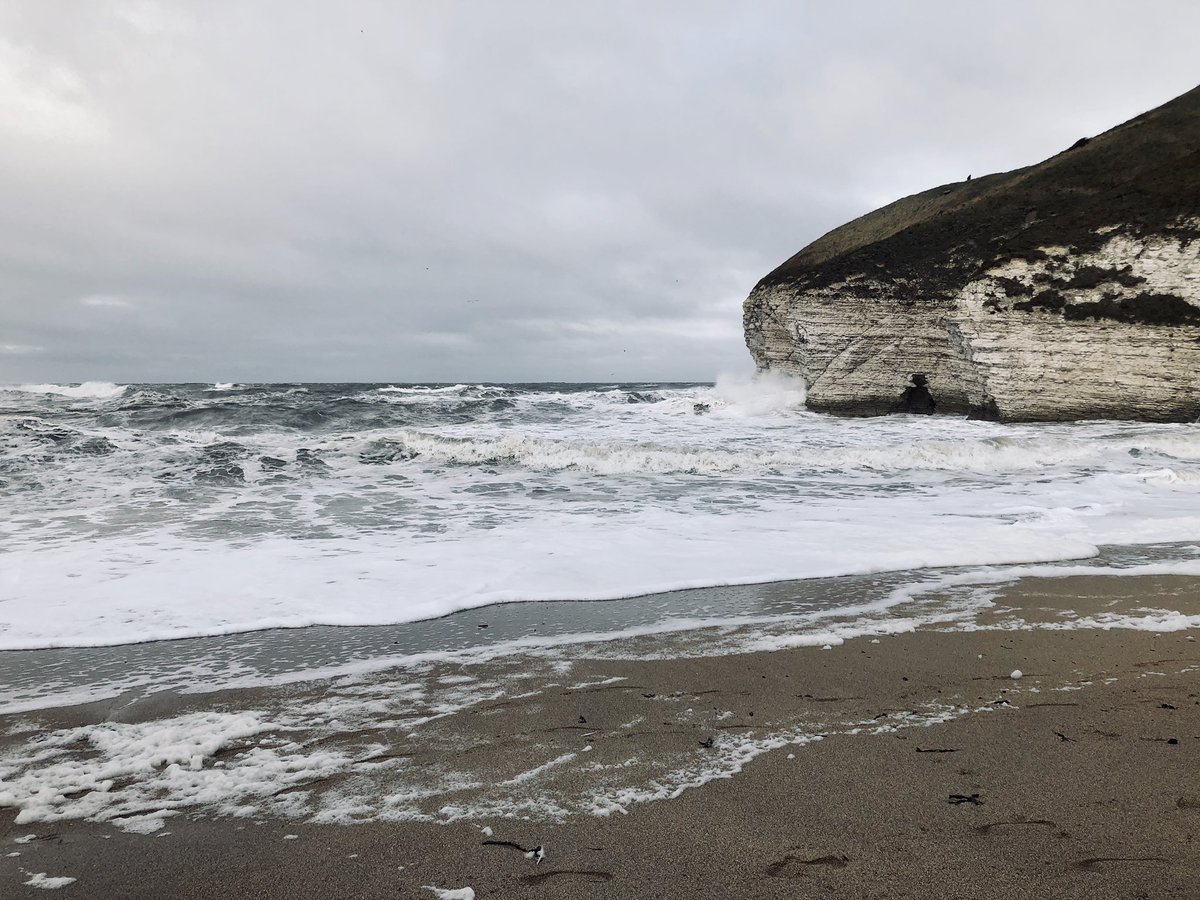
[798, 773]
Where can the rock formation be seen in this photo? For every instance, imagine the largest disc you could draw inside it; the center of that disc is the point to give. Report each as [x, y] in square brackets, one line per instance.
[1065, 290]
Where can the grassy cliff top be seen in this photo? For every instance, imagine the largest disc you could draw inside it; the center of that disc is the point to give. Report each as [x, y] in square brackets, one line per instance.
[1143, 175]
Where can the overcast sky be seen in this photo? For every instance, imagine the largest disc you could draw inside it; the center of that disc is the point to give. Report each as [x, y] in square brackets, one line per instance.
[500, 191]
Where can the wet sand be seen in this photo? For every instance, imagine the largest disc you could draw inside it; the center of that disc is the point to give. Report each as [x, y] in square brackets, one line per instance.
[1080, 779]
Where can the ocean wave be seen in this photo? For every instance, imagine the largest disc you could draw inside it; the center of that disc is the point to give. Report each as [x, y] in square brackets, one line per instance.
[169, 587]
[764, 394]
[1158, 459]
[421, 389]
[352, 500]
[144, 398]
[1167, 476]
[985, 456]
[88, 390]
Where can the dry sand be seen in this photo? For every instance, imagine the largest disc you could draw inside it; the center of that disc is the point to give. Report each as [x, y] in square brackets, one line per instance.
[1083, 777]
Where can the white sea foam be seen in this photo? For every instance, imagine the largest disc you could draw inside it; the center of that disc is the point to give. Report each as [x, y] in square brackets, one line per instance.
[135, 775]
[48, 882]
[117, 589]
[766, 393]
[154, 765]
[146, 823]
[952, 601]
[424, 390]
[89, 390]
[620, 457]
[1157, 621]
[464, 893]
[179, 513]
[536, 771]
[113, 590]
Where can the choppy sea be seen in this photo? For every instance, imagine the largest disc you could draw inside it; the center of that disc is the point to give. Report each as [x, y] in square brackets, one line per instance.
[246, 523]
[137, 513]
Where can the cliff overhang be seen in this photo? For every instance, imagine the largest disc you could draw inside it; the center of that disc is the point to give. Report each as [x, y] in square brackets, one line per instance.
[1065, 290]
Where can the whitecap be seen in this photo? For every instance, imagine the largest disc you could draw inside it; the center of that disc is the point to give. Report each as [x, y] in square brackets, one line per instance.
[424, 389]
[88, 390]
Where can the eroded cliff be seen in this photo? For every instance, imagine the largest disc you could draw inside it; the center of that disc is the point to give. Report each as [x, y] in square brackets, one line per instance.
[1066, 290]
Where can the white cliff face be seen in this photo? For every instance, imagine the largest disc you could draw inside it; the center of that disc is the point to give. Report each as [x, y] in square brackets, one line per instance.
[1112, 333]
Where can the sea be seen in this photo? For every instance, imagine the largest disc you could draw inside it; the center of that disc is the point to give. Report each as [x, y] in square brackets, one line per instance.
[249, 525]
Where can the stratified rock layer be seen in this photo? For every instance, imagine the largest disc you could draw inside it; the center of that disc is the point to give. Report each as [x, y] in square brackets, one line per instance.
[1066, 290]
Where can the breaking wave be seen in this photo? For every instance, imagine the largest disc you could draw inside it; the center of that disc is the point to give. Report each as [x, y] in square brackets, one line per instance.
[356, 503]
[986, 456]
[88, 390]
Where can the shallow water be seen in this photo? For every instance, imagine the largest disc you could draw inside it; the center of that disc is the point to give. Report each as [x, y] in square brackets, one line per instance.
[702, 621]
[144, 512]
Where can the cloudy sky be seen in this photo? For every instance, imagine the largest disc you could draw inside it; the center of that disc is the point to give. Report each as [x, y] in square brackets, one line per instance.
[503, 191]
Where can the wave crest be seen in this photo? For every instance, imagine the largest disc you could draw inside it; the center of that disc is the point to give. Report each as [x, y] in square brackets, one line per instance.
[987, 456]
[88, 390]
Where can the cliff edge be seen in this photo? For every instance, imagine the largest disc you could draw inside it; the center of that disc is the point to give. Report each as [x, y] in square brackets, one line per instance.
[1066, 290]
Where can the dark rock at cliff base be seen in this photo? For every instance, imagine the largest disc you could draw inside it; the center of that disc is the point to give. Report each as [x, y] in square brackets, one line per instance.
[917, 398]
[1069, 289]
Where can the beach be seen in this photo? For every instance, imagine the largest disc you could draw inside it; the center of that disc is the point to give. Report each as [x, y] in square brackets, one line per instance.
[548, 453]
[910, 764]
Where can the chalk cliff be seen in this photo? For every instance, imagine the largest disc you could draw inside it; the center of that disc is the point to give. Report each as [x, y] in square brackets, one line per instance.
[1065, 290]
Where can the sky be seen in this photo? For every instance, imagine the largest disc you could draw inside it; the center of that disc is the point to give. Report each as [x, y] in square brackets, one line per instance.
[518, 191]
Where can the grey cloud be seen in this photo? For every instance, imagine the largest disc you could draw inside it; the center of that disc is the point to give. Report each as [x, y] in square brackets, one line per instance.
[518, 191]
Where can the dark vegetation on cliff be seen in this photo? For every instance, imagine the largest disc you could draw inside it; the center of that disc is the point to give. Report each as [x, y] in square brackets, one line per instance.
[1142, 176]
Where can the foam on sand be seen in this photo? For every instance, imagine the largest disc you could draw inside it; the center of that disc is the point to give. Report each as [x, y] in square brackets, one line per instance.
[162, 765]
[465, 893]
[49, 882]
[328, 755]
